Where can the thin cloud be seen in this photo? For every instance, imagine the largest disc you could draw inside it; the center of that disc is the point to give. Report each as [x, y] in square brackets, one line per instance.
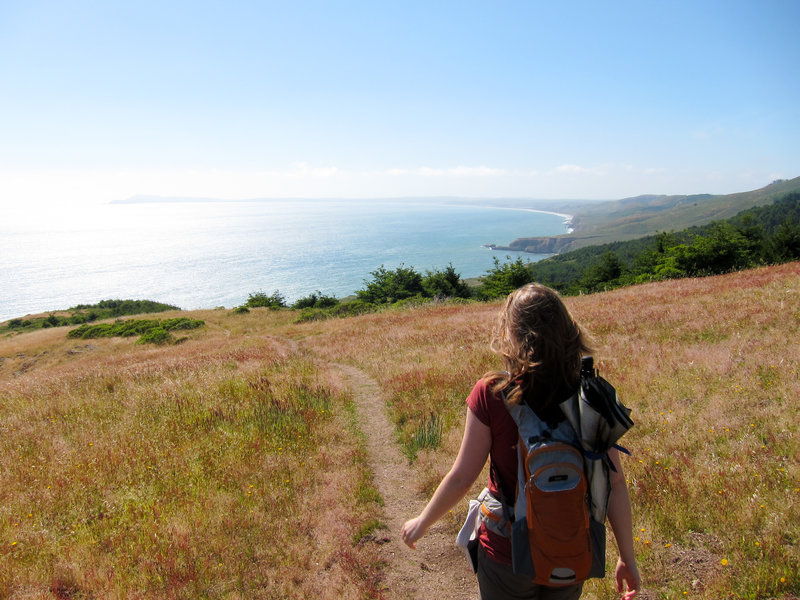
[460, 171]
[578, 170]
[303, 169]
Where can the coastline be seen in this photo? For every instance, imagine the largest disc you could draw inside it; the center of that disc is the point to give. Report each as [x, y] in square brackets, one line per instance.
[565, 216]
[546, 245]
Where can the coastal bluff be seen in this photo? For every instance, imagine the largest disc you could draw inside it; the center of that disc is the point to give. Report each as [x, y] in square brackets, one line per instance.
[540, 245]
[603, 222]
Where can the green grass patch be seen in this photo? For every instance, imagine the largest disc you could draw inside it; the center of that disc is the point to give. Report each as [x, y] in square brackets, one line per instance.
[150, 331]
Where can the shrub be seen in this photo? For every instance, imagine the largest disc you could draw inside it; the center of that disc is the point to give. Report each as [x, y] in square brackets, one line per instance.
[261, 300]
[157, 335]
[502, 279]
[445, 284]
[388, 287]
[316, 300]
[181, 323]
[140, 327]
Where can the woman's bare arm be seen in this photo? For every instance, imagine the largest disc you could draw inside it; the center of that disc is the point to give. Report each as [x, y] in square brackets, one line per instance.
[619, 516]
[471, 458]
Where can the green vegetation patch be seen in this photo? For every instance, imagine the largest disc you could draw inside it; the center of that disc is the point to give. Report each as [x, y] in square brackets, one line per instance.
[156, 331]
[759, 236]
[88, 313]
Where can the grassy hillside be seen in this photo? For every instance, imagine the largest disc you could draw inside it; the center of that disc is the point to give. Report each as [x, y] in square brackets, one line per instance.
[195, 471]
[711, 371]
[133, 471]
[630, 218]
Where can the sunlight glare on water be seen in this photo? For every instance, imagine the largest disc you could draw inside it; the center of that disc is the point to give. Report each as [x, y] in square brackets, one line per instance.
[202, 255]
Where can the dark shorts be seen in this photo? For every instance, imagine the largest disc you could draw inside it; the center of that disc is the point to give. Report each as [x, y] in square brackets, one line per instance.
[497, 581]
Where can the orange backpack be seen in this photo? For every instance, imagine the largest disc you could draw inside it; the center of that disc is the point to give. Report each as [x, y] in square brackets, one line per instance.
[551, 535]
[558, 533]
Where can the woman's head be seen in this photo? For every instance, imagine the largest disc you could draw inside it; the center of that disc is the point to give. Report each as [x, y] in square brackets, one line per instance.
[539, 342]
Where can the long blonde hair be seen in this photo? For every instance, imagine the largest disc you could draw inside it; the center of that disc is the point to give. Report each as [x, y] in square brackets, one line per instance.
[541, 346]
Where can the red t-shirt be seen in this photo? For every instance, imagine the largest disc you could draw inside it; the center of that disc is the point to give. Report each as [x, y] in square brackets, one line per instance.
[491, 411]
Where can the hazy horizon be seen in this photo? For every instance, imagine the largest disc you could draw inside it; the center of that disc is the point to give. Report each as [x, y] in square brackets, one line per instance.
[103, 101]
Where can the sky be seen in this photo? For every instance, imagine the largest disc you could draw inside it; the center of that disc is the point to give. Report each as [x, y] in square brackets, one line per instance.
[103, 100]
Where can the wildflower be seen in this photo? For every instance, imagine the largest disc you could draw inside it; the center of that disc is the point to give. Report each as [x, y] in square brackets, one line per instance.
[667, 545]
[783, 579]
[724, 562]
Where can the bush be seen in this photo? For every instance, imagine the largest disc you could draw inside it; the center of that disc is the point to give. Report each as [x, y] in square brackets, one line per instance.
[387, 287]
[605, 273]
[54, 321]
[445, 284]
[120, 308]
[145, 328]
[240, 310]
[157, 335]
[502, 279]
[181, 323]
[261, 300]
[316, 300]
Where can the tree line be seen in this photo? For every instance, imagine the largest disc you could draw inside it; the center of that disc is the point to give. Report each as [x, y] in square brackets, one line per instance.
[758, 236]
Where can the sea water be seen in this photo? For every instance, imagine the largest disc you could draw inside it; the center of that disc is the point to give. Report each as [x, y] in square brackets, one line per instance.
[208, 254]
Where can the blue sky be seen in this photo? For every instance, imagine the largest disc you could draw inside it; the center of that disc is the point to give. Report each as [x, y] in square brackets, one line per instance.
[104, 100]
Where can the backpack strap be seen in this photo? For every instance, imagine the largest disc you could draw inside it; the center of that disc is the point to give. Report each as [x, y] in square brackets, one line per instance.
[508, 512]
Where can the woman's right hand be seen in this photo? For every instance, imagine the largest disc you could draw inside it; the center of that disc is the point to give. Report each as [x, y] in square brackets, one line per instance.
[628, 575]
[412, 531]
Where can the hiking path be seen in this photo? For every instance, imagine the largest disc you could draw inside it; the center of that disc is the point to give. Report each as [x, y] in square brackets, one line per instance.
[436, 569]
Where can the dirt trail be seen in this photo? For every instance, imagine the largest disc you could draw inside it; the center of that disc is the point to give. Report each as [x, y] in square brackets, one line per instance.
[436, 569]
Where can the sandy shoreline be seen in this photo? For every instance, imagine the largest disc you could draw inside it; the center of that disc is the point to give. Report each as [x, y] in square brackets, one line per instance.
[567, 218]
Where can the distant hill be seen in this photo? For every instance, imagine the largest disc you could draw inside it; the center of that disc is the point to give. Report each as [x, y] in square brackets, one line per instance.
[630, 218]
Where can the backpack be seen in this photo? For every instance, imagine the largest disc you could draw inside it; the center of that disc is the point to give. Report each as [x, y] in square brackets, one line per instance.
[558, 533]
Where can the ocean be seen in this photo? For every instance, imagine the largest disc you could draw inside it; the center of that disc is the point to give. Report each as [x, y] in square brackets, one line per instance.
[209, 254]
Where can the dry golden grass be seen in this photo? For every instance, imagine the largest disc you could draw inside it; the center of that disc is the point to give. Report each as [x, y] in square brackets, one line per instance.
[223, 467]
[710, 369]
[126, 471]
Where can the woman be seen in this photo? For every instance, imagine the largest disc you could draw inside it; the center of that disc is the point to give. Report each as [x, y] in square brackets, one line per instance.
[541, 348]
